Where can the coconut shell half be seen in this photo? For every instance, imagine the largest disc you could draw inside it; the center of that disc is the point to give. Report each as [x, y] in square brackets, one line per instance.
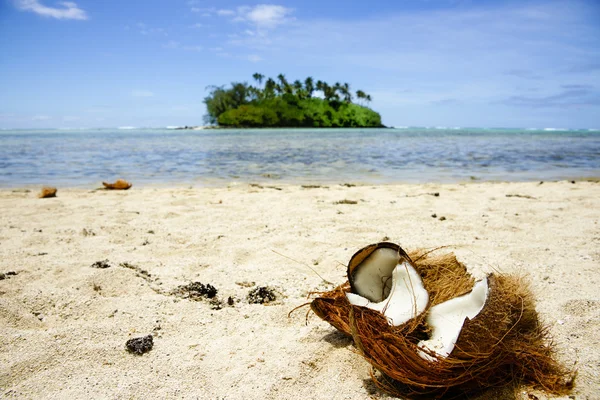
[361, 255]
[504, 343]
[120, 184]
[508, 328]
[47, 191]
[442, 274]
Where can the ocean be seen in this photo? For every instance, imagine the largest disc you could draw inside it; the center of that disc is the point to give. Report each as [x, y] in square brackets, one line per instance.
[84, 158]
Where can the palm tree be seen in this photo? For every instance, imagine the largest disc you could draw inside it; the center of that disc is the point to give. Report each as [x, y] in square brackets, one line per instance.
[284, 84]
[297, 85]
[361, 95]
[319, 86]
[240, 92]
[258, 77]
[309, 86]
[270, 88]
[330, 92]
[345, 90]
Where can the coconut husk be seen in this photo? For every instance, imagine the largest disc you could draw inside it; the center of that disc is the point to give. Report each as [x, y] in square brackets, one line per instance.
[443, 276]
[504, 344]
[47, 191]
[333, 307]
[120, 184]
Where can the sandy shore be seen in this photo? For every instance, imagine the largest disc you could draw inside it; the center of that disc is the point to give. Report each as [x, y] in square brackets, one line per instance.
[64, 324]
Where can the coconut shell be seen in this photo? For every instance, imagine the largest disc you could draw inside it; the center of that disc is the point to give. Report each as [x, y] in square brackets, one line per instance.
[504, 344]
[362, 254]
[120, 184]
[512, 330]
[333, 307]
[443, 276]
[47, 191]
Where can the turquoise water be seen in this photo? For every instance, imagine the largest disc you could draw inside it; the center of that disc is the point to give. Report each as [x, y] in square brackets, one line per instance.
[214, 157]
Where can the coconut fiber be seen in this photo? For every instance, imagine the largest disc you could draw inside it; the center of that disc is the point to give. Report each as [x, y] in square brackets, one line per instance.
[505, 344]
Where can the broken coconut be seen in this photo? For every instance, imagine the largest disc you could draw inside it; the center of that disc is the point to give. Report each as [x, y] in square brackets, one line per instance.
[443, 275]
[383, 279]
[446, 320]
[470, 338]
[47, 191]
[120, 184]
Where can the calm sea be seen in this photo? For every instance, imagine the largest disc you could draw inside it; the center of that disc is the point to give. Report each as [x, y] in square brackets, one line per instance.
[216, 157]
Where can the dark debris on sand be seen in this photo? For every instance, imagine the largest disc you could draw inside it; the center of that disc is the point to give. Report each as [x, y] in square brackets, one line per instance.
[140, 345]
[218, 304]
[101, 264]
[196, 291]
[346, 201]
[141, 272]
[261, 295]
[6, 275]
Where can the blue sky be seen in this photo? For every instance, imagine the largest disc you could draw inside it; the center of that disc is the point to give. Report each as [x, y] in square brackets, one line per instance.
[425, 63]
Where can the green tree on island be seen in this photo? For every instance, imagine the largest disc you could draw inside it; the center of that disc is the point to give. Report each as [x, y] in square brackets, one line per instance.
[279, 103]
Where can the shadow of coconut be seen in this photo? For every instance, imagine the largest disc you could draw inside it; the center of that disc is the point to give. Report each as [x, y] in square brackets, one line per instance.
[507, 392]
[338, 339]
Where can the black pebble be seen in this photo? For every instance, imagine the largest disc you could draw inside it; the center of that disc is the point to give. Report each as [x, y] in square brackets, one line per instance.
[140, 345]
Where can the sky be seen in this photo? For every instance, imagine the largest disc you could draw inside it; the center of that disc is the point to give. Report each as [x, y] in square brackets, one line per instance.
[148, 63]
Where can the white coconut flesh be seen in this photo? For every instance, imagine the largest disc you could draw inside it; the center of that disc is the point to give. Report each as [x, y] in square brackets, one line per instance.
[372, 278]
[447, 319]
[396, 290]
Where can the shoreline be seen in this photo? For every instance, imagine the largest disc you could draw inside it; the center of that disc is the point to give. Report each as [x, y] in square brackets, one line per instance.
[64, 323]
[217, 183]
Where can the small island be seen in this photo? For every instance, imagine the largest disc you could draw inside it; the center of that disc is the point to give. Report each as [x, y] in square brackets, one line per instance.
[279, 103]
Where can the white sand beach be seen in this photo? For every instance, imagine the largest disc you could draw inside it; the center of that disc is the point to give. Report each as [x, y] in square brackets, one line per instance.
[64, 324]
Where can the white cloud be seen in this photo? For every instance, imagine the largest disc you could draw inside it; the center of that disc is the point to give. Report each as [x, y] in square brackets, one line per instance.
[69, 9]
[142, 93]
[263, 16]
[267, 15]
[254, 58]
[70, 118]
[225, 13]
[41, 118]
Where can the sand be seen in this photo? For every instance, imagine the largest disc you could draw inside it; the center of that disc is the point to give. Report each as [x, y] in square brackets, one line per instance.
[64, 324]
